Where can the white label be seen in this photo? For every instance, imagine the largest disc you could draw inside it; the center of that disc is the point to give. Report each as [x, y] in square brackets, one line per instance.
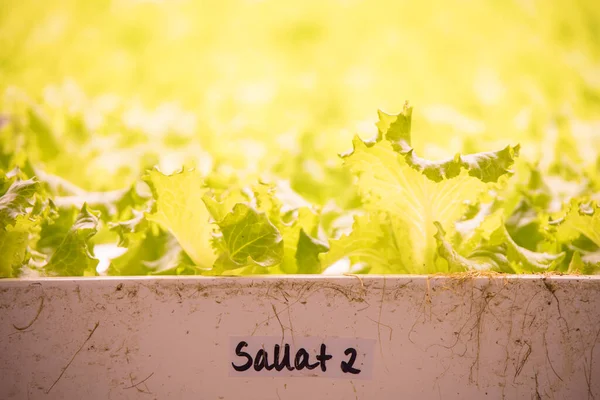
[301, 356]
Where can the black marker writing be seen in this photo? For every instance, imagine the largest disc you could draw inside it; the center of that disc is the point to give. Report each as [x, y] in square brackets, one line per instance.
[347, 367]
[323, 357]
[240, 353]
[283, 360]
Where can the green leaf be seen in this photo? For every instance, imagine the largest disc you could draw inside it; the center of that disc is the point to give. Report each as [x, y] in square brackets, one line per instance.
[368, 245]
[175, 262]
[525, 225]
[479, 261]
[250, 238]
[418, 192]
[528, 261]
[155, 252]
[74, 256]
[17, 199]
[131, 228]
[591, 262]
[112, 204]
[55, 227]
[537, 190]
[499, 253]
[150, 250]
[290, 227]
[477, 230]
[288, 212]
[580, 218]
[576, 266]
[397, 129]
[307, 254]
[219, 205]
[14, 240]
[486, 166]
[17, 225]
[179, 208]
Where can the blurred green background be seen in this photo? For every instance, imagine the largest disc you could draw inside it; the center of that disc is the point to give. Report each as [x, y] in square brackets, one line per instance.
[243, 84]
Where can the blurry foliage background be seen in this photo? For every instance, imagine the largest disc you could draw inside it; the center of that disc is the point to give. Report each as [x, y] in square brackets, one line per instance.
[261, 69]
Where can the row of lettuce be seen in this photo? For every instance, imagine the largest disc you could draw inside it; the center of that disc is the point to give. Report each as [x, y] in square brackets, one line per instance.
[381, 209]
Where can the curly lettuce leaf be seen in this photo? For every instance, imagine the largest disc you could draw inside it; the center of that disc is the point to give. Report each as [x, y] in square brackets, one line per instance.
[525, 225]
[74, 256]
[157, 252]
[17, 199]
[499, 254]
[250, 238]
[113, 204]
[371, 244]
[55, 227]
[524, 260]
[220, 204]
[18, 223]
[486, 166]
[179, 208]
[307, 254]
[478, 261]
[478, 228]
[300, 245]
[580, 219]
[149, 250]
[418, 192]
[284, 209]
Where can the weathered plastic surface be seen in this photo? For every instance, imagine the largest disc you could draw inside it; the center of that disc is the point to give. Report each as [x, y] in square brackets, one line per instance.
[168, 338]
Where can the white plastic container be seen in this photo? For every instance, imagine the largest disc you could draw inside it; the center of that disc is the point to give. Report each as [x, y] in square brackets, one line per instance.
[525, 337]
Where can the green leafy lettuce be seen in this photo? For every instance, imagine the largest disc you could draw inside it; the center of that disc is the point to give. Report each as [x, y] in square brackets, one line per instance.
[18, 223]
[415, 193]
[381, 208]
